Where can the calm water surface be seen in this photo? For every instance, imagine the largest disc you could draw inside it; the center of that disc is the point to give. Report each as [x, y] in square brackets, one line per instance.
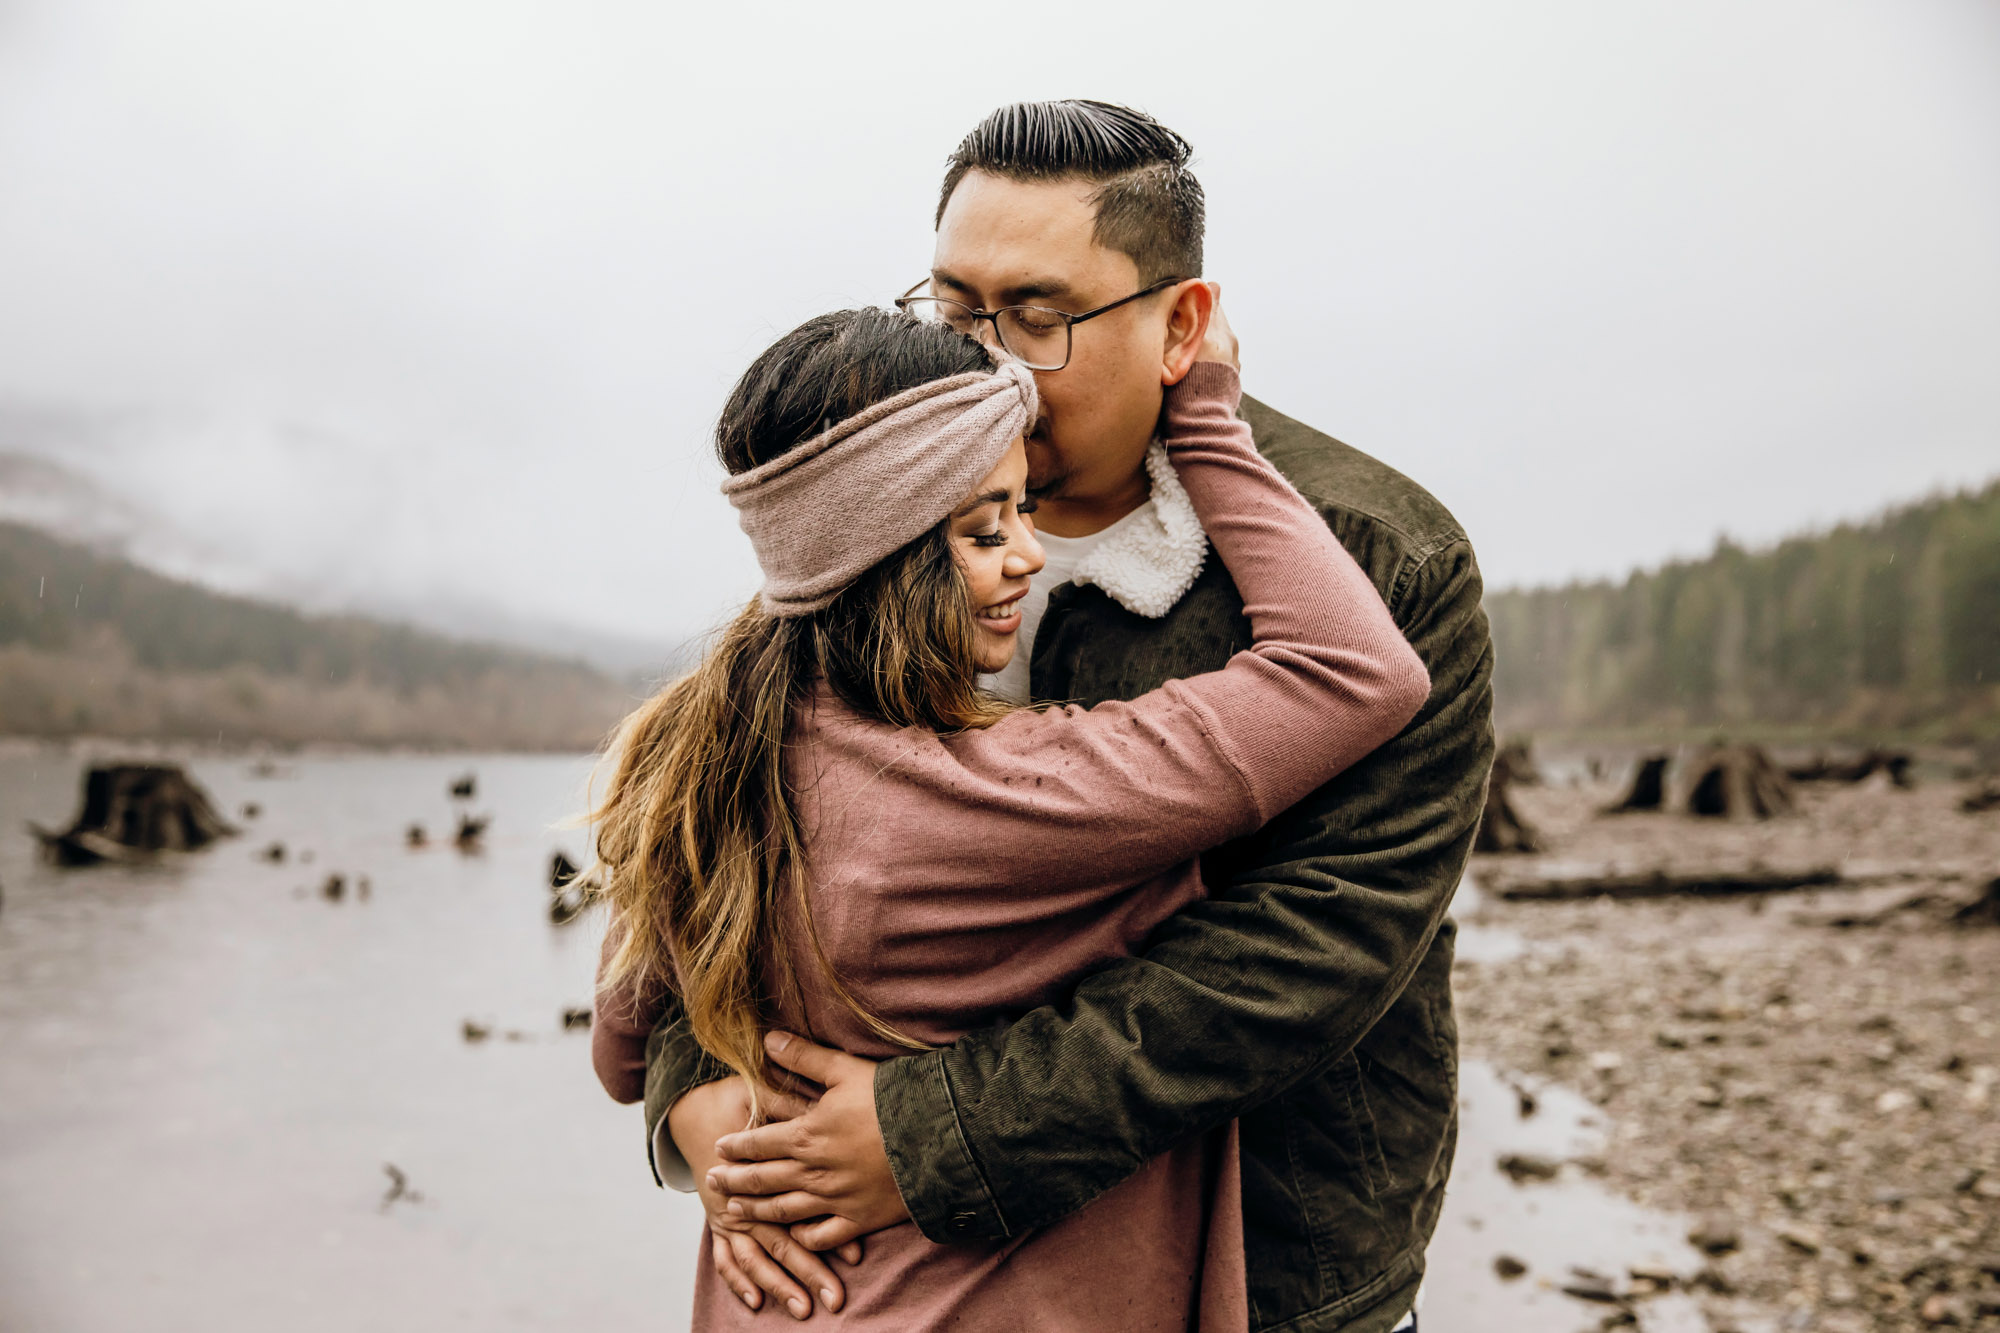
[204, 1067]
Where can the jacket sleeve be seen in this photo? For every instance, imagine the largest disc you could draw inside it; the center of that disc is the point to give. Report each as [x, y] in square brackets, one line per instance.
[1236, 999]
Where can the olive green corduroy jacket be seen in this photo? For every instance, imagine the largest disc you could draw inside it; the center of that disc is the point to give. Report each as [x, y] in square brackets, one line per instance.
[1310, 996]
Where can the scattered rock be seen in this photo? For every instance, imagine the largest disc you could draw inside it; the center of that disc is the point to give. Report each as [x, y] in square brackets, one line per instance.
[575, 1018]
[1524, 1167]
[475, 1032]
[415, 838]
[1939, 1308]
[250, 810]
[275, 853]
[1715, 1235]
[1804, 1239]
[334, 888]
[1508, 1267]
[1588, 1285]
[465, 788]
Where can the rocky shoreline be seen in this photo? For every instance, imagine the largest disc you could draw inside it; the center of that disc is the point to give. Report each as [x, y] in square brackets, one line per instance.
[1823, 1102]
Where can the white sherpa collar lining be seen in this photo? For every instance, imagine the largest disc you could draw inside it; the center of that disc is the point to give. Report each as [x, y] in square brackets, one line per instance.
[1149, 564]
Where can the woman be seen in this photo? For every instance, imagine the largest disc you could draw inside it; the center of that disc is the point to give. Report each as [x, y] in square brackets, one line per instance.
[827, 827]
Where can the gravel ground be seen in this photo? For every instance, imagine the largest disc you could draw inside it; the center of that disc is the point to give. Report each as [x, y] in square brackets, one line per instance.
[1824, 1101]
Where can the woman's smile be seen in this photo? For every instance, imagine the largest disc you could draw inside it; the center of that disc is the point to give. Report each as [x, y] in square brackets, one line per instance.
[1002, 617]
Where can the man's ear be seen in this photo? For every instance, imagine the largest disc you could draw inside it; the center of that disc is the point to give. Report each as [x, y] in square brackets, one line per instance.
[1187, 327]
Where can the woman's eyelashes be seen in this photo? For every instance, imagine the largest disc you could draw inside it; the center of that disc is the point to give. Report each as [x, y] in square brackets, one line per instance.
[998, 537]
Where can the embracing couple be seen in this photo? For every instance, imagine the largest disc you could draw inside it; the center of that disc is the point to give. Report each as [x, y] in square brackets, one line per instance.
[1039, 922]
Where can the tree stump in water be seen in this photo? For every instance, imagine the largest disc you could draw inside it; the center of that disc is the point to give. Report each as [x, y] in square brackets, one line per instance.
[1649, 786]
[1501, 827]
[131, 811]
[1738, 782]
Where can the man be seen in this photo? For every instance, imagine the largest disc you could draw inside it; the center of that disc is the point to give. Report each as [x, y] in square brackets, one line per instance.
[1310, 997]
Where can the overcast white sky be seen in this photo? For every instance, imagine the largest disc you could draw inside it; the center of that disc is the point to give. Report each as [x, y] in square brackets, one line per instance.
[437, 299]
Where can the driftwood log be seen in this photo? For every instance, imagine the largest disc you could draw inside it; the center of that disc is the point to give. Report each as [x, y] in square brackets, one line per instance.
[1649, 787]
[1896, 763]
[1602, 883]
[133, 811]
[1738, 782]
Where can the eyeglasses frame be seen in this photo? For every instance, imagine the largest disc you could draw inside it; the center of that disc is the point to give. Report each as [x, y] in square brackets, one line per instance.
[992, 317]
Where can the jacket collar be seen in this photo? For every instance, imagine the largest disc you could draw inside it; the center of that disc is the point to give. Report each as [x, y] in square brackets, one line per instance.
[1150, 563]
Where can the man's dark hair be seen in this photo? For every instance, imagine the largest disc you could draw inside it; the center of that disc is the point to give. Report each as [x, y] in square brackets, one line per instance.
[1149, 205]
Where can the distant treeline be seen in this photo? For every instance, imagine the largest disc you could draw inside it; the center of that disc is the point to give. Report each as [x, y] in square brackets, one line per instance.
[1890, 627]
[91, 644]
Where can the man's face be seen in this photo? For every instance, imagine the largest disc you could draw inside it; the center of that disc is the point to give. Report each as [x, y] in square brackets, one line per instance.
[1004, 242]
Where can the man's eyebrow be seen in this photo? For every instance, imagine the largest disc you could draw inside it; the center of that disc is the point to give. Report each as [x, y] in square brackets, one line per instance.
[994, 497]
[1043, 289]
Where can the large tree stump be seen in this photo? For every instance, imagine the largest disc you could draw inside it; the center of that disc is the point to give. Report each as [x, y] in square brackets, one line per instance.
[1517, 760]
[1738, 782]
[1649, 786]
[1501, 826]
[131, 811]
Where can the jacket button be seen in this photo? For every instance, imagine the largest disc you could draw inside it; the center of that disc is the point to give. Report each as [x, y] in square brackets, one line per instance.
[963, 1221]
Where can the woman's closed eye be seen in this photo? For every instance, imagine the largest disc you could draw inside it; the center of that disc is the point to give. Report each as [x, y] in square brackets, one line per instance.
[989, 539]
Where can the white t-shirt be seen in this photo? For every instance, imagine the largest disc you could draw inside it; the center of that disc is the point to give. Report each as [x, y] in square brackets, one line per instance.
[1064, 555]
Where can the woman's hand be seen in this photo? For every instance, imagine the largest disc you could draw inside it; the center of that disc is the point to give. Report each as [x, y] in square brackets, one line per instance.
[826, 1170]
[1219, 344]
[751, 1257]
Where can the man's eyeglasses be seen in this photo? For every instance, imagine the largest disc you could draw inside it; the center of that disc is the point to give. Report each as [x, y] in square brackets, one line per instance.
[1037, 335]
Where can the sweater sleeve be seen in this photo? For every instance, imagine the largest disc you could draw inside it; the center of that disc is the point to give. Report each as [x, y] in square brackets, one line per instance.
[619, 1027]
[1080, 796]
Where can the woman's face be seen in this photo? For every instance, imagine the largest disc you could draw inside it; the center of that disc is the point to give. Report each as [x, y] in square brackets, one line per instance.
[994, 539]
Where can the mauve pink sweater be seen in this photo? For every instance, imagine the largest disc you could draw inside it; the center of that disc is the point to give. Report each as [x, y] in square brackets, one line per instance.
[959, 881]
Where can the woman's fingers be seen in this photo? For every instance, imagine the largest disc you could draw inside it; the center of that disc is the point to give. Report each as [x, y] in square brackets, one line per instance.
[796, 1206]
[723, 1250]
[760, 1177]
[764, 1270]
[839, 1234]
[803, 1264]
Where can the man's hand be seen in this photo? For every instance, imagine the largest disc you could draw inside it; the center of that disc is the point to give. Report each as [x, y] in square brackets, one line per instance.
[1220, 344]
[825, 1170]
[751, 1257]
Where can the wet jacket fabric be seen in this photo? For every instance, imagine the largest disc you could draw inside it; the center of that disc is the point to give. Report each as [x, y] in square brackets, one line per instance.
[1308, 997]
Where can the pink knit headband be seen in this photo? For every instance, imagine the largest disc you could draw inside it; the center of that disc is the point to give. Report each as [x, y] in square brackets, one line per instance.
[823, 514]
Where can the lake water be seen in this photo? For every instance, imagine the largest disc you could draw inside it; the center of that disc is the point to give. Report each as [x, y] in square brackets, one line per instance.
[205, 1066]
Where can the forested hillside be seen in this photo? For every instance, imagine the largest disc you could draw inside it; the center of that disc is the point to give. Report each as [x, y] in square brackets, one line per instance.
[1885, 627]
[91, 644]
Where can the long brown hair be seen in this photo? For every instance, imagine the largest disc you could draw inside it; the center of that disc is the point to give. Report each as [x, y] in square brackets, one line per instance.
[698, 841]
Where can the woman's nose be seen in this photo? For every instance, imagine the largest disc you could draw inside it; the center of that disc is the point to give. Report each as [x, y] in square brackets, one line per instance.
[1025, 558]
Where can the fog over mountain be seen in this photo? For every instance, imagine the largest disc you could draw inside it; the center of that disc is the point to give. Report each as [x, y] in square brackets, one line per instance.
[427, 307]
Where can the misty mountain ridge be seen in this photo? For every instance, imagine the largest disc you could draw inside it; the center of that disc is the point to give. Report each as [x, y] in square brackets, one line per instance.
[303, 518]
